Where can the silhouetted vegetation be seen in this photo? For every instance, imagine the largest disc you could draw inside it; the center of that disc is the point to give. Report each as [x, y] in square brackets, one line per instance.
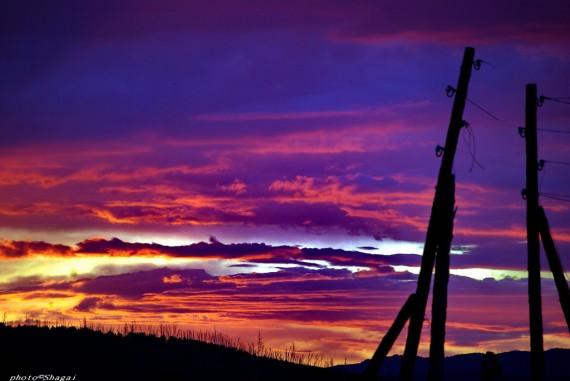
[258, 348]
[162, 353]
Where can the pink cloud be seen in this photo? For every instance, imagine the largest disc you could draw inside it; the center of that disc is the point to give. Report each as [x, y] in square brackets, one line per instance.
[236, 186]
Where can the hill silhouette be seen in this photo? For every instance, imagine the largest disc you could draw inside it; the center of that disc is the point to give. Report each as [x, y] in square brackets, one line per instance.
[88, 354]
[85, 354]
[467, 367]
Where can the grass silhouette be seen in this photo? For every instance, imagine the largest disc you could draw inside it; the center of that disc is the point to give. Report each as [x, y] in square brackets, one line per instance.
[138, 352]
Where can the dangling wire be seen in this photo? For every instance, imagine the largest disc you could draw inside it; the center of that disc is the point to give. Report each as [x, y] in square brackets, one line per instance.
[469, 139]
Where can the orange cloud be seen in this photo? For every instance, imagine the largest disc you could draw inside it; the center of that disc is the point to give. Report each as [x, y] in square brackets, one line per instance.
[18, 249]
[175, 278]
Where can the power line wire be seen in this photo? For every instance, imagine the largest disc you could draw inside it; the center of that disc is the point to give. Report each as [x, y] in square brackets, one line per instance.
[450, 91]
[557, 131]
[542, 98]
[557, 194]
[482, 109]
[564, 198]
[555, 162]
[560, 101]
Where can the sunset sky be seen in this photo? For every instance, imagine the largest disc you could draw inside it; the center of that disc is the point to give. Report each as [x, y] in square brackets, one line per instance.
[269, 166]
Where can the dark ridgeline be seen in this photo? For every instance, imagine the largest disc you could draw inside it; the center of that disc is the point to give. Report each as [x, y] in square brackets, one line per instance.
[94, 355]
[508, 366]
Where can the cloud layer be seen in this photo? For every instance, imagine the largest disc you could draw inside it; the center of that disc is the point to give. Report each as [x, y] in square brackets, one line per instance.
[299, 133]
[315, 296]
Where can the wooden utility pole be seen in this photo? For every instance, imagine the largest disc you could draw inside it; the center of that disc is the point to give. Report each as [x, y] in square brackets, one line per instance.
[555, 265]
[439, 216]
[532, 217]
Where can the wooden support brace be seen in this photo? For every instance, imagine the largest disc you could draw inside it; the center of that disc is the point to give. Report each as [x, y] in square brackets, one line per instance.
[389, 339]
[555, 264]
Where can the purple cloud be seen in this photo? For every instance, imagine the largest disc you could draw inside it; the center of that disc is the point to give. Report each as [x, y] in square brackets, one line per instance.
[135, 285]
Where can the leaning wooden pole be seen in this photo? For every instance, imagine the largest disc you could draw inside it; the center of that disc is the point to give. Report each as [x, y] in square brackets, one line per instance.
[555, 264]
[437, 218]
[388, 340]
[533, 245]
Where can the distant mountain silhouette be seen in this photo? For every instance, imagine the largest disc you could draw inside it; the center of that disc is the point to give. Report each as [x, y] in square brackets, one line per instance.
[94, 355]
[515, 366]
